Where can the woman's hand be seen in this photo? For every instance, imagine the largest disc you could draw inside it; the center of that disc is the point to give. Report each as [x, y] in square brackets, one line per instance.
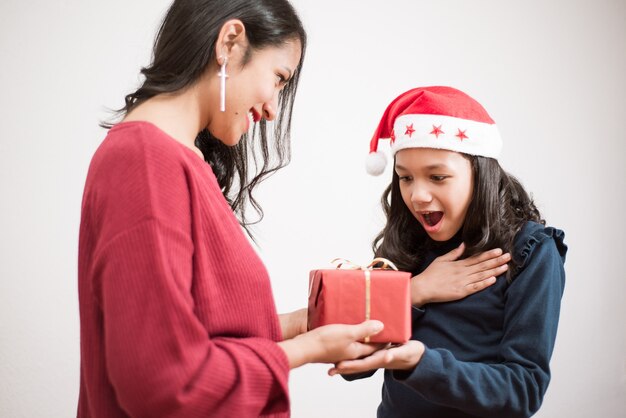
[401, 357]
[331, 344]
[293, 323]
[447, 279]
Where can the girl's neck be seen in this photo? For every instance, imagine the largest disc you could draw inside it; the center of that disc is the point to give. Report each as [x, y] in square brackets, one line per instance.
[442, 247]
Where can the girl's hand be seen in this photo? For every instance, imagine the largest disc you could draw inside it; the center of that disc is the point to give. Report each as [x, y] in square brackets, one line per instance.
[401, 357]
[447, 279]
[293, 323]
[331, 344]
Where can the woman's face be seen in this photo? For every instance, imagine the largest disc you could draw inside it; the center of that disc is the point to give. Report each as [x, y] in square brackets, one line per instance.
[252, 90]
[437, 187]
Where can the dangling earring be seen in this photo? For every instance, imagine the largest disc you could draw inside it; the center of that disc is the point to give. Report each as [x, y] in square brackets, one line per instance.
[222, 74]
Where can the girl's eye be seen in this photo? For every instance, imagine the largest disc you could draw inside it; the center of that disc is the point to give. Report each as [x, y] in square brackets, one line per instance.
[404, 178]
[438, 178]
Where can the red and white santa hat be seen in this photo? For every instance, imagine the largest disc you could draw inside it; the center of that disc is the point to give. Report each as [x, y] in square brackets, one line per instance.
[434, 117]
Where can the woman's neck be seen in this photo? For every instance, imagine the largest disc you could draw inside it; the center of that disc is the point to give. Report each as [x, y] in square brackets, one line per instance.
[178, 115]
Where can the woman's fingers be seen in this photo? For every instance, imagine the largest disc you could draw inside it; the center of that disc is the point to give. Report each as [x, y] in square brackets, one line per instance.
[375, 361]
[398, 357]
[365, 349]
[367, 329]
[359, 332]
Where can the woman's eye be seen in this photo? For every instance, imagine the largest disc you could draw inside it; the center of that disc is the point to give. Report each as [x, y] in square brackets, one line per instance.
[404, 178]
[281, 79]
[438, 178]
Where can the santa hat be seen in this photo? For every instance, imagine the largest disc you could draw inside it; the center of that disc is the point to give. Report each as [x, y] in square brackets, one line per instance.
[434, 117]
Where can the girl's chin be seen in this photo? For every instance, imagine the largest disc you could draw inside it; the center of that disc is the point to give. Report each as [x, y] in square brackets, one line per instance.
[439, 237]
[441, 233]
[432, 230]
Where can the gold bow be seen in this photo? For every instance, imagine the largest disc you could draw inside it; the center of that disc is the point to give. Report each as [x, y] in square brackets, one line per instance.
[341, 262]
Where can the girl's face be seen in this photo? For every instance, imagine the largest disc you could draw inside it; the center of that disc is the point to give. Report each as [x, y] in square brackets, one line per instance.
[437, 187]
[252, 91]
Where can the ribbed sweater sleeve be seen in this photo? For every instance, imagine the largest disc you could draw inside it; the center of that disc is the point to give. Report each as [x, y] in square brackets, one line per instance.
[139, 251]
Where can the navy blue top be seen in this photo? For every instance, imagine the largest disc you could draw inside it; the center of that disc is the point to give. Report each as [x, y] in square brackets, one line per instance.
[486, 355]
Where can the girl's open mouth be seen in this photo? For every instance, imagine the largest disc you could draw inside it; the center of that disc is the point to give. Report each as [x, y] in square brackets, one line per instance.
[431, 220]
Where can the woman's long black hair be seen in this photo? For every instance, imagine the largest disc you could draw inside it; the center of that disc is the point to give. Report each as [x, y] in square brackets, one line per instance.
[185, 47]
[499, 208]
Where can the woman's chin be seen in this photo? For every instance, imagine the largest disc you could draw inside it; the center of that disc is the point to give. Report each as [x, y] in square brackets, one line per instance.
[229, 140]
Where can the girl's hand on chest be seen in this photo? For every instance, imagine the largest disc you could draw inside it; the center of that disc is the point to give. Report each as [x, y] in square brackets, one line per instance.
[448, 279]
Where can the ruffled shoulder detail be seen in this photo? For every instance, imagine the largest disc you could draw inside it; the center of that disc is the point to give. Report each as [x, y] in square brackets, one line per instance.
[530, 236]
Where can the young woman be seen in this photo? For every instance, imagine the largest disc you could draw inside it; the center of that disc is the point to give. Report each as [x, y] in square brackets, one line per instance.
[177, 316]
[486, 355]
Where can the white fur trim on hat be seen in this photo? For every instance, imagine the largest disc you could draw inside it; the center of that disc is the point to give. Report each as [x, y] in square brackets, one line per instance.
[446, 132]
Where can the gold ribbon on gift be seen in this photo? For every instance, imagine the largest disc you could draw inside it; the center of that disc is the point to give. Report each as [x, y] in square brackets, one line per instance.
[379, 263]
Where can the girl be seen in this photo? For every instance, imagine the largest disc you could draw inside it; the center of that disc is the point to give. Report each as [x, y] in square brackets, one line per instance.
[177, 316]
[486, 355]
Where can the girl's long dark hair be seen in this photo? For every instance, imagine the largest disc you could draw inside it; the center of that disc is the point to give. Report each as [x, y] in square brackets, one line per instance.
[499, 208]
[185, 47]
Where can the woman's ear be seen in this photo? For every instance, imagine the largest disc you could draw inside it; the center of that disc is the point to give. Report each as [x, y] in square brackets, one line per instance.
[231, 41]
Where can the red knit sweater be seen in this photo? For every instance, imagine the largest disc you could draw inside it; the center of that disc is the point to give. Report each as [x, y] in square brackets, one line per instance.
[176, 311]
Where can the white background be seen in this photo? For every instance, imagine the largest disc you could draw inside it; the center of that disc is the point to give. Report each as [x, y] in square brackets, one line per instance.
[551, 73]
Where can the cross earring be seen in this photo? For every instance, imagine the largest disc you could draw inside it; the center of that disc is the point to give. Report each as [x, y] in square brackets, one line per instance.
[222, 74]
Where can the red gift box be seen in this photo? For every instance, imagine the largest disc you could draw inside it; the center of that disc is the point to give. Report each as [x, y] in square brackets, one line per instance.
[342, 296]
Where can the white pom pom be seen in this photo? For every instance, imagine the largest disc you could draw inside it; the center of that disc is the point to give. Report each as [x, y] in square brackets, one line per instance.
[375, 163]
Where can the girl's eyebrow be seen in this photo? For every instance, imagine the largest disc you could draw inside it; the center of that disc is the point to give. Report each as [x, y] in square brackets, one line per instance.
[436, 166]
[428, 167]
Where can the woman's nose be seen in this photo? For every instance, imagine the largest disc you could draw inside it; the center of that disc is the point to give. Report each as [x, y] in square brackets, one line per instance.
[269, 109]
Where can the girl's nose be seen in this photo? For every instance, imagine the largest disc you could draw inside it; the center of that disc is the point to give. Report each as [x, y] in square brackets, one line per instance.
[421, 195]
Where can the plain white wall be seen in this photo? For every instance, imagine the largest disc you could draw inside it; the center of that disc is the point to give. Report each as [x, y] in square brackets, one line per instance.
[551, 73]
